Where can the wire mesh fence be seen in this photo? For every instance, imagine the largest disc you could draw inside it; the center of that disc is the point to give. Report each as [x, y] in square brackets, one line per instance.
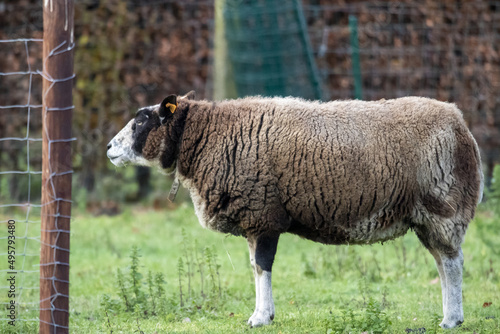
[443, 50]
[269, 49]
[20, 186]
[35, 180]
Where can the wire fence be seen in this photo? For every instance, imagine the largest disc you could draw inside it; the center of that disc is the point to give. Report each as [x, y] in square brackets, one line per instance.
[269, 49]
[443, 50]
[20, 210]
[35, 228]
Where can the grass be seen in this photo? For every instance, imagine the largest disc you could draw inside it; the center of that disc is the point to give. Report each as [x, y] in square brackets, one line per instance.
[390, 288]
[317, 288]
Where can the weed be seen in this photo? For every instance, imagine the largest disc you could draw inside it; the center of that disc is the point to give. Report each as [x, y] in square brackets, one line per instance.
[106, 304]
[206, 261]
[151, 293]
[493, 194]
[180, 270]
[136, 276]
[159, 287]
[142, 299]
[139, 330]
[369, 317]
[187, 251]
[123, 289]
[214, 267]
[200, 264]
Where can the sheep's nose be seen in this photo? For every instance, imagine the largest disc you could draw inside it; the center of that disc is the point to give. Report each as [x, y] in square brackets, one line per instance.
[109, 146]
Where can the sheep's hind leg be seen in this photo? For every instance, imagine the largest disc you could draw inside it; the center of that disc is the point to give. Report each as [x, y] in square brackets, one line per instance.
[442, 277]
[449, 262]
[452, 303]
[262, 250]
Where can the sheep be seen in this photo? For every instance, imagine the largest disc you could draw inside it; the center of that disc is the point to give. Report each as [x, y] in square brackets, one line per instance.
[340, 172]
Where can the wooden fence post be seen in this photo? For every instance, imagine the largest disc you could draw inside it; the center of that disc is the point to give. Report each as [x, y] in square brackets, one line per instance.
[56, 166]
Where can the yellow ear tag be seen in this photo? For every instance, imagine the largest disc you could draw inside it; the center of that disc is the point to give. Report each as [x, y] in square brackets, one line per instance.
[171, 106]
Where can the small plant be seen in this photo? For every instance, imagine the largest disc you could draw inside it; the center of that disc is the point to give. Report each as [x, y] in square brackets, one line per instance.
[206, 263]
[187, 253]
[369, 317]
[122, 289]
[108, 305]
[200, 264]
[213, 269]
[493, 194]
[180, 270]
[434, 328]
[136, 276]
[144, 296]
[144, 299]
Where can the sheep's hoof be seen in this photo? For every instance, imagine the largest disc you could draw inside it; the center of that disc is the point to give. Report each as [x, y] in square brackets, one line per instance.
[447, 324]
[260, 319]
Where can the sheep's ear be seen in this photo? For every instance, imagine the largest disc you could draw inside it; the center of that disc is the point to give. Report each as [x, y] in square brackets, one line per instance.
[189, 96]
[167, 108]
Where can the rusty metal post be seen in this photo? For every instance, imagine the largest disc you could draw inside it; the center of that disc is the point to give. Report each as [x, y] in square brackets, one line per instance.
[56, 166]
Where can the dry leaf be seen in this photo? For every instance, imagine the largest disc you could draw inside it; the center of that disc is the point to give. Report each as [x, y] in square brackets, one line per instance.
[434, 281]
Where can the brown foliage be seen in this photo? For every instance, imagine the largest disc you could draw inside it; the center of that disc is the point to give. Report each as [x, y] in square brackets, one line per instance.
[128, 54]
[445, 50]
[134, 53]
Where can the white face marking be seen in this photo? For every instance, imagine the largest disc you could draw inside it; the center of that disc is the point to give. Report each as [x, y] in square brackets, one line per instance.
[120, 151]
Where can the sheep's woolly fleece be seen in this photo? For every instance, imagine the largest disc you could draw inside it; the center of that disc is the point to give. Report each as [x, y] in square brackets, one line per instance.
[337, 172]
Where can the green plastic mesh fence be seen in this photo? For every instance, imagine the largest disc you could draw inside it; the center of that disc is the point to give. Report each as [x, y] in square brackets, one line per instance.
[269, 49]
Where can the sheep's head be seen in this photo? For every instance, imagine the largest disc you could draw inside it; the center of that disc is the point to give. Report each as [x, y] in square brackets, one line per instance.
[152, 137]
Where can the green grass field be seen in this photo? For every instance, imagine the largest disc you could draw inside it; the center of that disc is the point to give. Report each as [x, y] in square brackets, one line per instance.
[317, 288]
[390, 288]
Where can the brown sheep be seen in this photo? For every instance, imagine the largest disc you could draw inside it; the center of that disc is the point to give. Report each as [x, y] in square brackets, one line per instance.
[342, 172]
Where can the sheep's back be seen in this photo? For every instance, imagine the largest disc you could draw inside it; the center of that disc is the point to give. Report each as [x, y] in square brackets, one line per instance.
[353, 165]
[338, 171]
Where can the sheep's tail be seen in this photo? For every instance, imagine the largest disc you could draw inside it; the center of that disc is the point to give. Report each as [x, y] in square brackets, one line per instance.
[480, 169]
[481, 176]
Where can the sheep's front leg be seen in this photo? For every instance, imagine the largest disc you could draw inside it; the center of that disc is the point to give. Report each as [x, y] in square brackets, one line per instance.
[262, 250]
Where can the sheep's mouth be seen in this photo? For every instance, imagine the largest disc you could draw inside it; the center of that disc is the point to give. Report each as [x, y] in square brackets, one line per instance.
[116, 160]
[114, 157]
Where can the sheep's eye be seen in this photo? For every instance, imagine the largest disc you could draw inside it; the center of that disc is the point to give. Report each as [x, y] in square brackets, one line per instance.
[139, 123]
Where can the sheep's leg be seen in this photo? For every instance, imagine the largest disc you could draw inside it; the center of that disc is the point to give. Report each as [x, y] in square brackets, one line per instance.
[251, 248]
[442, 277]
[449, 260]
[262, 250]
[452, 268]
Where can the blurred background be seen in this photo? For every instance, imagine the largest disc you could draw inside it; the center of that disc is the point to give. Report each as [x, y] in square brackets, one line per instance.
[133, 53]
